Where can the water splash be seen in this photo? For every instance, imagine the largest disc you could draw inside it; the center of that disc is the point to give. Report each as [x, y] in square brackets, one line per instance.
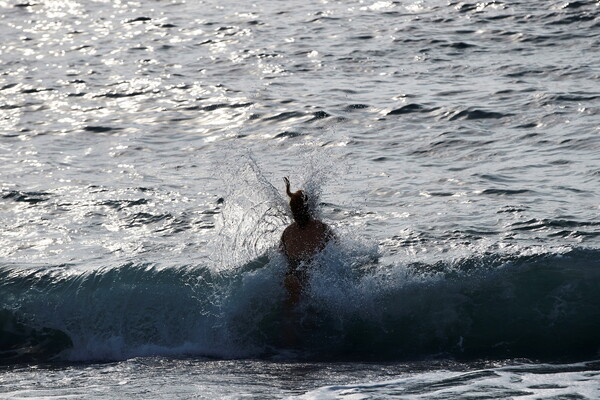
[252, 215]
[255, 211]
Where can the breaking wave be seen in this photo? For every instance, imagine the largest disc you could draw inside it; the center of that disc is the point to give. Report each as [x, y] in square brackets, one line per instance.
[543, 306]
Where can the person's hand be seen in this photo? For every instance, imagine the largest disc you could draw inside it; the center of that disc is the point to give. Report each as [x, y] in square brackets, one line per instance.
[287, 185]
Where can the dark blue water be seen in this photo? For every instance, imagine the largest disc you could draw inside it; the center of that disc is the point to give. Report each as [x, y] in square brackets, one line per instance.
[453, 147]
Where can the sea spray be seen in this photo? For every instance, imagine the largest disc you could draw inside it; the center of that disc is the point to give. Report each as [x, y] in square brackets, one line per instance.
[252, 216]
[255, 211]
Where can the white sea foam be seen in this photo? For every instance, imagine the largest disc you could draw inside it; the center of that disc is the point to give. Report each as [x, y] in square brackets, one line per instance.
[520, 381]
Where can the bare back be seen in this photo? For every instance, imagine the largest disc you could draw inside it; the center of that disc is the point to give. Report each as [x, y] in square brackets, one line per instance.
[302, 243]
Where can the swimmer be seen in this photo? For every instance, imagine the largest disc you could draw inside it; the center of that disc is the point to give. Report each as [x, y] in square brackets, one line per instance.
[301, 241]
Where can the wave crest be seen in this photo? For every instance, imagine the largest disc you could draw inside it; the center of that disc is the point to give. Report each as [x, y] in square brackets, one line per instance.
[491, 305]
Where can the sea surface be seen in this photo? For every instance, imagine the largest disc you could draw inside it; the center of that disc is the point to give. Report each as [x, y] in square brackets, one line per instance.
[454, 148]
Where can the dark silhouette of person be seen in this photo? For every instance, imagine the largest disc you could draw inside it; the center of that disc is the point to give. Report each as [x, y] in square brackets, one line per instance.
[300, 242]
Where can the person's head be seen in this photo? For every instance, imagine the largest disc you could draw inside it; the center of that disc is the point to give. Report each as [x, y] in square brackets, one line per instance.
[298, 205]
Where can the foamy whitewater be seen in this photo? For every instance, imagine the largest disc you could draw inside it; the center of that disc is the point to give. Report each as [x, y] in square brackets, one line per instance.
[452, 146]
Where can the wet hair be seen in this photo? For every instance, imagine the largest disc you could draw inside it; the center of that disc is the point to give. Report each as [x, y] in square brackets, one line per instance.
[298, 205]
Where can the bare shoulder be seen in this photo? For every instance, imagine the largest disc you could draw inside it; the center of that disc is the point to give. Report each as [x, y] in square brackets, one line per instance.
[323, 225]
[325, 230]
[289, 230]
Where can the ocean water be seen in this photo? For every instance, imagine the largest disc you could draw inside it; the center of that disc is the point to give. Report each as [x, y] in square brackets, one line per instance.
[454, 147]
